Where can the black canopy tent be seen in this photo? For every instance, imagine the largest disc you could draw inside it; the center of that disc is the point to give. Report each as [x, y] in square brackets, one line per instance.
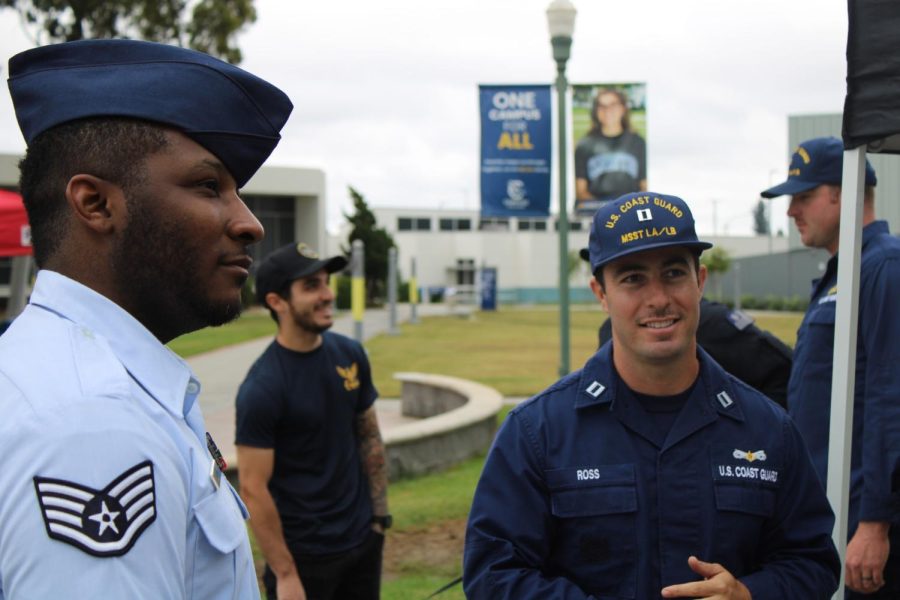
[872, 105]
[871, 122]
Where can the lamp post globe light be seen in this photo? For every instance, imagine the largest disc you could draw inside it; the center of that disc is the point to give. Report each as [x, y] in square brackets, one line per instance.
[561, 22]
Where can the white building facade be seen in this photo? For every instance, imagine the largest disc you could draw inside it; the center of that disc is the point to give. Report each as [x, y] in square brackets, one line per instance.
[451, 246]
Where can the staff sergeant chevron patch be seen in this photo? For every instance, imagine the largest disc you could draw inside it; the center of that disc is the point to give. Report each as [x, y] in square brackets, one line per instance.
[103, 522]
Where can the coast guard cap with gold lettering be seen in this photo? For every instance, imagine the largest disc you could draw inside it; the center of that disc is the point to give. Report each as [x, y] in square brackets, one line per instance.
[641, 221]
[230, 112]
[815, 162]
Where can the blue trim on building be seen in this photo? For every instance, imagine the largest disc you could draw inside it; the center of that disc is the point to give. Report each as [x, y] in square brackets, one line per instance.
[549, 295]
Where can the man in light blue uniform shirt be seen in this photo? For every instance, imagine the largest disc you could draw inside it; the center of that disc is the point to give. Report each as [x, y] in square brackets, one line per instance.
[111, 486]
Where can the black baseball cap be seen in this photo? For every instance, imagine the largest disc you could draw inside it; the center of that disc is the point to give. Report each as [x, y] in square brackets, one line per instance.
[291, 262]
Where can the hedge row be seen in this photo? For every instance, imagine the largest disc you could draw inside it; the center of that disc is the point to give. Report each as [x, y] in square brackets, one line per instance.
[770, 302]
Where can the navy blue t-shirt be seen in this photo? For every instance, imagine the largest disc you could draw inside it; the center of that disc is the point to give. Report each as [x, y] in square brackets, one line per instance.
[661, 411]
[304, 405]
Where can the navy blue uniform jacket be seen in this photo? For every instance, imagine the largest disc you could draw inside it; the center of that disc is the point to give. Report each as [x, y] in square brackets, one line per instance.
[875, 478]
[576, 501]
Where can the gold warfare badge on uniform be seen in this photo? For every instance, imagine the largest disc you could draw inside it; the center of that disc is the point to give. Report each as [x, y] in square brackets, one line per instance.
[103, 522]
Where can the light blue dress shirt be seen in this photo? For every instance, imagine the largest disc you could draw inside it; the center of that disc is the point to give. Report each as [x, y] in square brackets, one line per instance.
[107, 488]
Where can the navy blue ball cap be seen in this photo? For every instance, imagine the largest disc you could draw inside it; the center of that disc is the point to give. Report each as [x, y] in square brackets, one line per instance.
[291, 262]
[641, 221]
[816, 162]
[230, 112]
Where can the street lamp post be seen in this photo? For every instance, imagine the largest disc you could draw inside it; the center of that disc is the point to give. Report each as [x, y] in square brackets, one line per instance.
[561, 22]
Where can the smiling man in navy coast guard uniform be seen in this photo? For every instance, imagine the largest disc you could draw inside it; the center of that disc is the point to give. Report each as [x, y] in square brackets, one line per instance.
[814, 184]
[651, 472]
[111, 487]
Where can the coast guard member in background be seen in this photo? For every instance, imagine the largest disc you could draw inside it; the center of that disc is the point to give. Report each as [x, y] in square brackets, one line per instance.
[110, 487]
[814, 183]
[650, 472]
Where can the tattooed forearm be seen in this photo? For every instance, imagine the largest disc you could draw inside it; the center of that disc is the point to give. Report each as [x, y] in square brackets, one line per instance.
[374, 459]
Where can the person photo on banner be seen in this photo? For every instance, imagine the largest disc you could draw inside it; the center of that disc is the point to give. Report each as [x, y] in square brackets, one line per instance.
[611, 158]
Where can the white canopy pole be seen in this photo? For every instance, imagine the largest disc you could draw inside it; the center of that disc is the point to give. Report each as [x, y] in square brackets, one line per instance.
[843, 376]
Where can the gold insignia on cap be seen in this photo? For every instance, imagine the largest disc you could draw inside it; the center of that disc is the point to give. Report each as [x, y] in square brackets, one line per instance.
[803, 154]
[304, 250]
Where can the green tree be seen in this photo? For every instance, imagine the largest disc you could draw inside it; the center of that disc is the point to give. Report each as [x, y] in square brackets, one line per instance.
[574, 263]
[377, 243]
[210, 27]
[717, 262]
[760, 219]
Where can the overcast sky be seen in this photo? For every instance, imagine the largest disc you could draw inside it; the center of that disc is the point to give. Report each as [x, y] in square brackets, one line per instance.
[385, 93]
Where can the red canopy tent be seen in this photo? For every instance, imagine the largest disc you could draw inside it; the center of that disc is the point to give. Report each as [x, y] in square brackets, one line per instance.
[15, 242]
[15, 233]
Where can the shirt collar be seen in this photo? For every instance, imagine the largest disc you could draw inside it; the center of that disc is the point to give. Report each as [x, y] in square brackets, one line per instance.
[869, 232]
[873, 229]
[158, 370]
[597, 384]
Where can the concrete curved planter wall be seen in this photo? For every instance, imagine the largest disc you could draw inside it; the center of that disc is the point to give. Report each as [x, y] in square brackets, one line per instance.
[458, 421]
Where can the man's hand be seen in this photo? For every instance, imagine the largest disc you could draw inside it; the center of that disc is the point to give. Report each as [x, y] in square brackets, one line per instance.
[867, 554]
[290, 588]
[717, 584]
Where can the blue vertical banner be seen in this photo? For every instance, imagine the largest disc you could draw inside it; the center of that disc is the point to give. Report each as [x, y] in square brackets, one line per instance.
[515, 150]
[488, 288]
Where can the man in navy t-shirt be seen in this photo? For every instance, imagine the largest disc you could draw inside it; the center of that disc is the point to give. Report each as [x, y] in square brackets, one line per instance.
[311, 460]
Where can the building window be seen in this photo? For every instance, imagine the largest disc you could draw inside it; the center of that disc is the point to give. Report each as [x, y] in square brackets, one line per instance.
[413, 224]
[446, 224]
[465, 271]
[532, 224]
[573, 226]
[494, 224]
[276, 213]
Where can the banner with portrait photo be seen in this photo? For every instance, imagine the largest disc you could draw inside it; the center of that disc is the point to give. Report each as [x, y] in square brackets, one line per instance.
[515, 150]
[609, 131]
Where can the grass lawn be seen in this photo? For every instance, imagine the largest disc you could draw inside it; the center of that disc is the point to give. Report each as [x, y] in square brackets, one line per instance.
[514, 350]
[782, 325]
[251, 325]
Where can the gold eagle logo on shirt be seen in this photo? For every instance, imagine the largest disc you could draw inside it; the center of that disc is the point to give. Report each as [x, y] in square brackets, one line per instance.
[350, 376]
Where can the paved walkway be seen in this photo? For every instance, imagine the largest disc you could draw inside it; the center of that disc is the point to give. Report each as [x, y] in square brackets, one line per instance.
[221, 371]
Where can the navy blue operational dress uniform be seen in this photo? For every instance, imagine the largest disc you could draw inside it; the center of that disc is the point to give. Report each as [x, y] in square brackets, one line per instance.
[877, 397]
[111, 487]
[875, 455]
[594, 490]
